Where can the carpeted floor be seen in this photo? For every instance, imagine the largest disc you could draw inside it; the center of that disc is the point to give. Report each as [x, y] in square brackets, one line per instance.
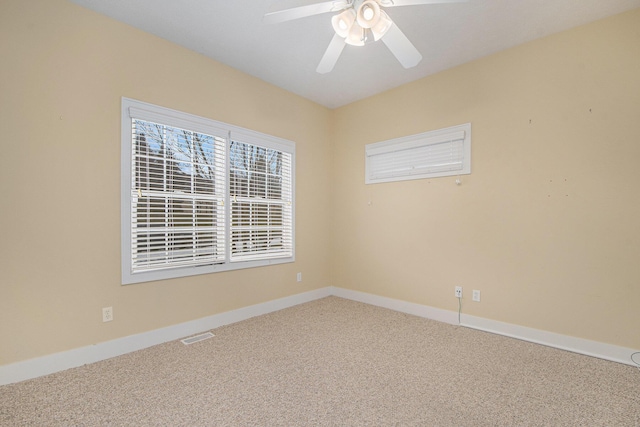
[334, 362]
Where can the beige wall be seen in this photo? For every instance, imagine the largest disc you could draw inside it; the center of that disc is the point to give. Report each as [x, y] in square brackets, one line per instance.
[547, 226]
[63, 72]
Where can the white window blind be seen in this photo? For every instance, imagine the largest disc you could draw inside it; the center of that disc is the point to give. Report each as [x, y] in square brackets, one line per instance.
[177, 197]
[432, 154]
[261, 195]
[195, 200]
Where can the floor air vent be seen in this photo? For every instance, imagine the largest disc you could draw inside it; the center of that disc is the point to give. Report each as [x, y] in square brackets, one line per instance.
[197, 338]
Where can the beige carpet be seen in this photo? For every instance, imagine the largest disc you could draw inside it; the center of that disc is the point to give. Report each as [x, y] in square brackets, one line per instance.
[334, 362]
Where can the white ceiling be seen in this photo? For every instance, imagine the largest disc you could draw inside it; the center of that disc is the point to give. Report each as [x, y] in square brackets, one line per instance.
[287, 54]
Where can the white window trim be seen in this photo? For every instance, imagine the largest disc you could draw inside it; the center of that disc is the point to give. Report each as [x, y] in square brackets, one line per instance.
[453, 133]
[166, 116]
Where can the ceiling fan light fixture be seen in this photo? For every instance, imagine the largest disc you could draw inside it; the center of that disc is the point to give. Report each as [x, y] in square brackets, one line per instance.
[356, 36]
[343, 21]
[368, 14]
[382, 26]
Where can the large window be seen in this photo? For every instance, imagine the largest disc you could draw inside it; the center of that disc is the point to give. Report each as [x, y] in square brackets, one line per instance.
[199, 196]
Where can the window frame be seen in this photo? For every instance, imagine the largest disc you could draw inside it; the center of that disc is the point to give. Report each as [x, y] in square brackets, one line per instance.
[131, 108]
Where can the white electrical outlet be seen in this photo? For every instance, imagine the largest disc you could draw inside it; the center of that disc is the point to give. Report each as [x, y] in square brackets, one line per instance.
[458, 291]
[299, 277]
[476, 295]
[107, 314]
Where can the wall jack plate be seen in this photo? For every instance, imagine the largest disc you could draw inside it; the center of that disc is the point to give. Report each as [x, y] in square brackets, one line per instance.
[107, 314]
[476, 295]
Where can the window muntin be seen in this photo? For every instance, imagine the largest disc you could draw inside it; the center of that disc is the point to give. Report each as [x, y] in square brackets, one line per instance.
[197, 200]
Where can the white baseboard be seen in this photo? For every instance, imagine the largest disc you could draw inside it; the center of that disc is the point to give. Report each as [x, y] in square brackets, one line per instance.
[597, 349]
[419, 310]
[32, 368]
[45, 365]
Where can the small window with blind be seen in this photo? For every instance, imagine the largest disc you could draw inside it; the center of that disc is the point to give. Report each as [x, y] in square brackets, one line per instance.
[200, 196]
[443, 152]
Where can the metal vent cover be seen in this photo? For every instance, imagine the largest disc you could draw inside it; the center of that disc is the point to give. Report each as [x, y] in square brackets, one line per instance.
[197, 338]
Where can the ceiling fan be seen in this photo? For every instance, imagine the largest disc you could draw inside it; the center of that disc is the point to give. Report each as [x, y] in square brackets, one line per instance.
[356, 21]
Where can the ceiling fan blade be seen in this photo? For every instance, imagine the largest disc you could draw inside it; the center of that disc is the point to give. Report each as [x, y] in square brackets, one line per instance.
[331, 55]
[393, 3]
[401, 47]
[304, 11]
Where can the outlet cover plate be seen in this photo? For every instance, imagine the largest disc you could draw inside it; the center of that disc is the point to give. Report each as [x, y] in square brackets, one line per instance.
[107, 314]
